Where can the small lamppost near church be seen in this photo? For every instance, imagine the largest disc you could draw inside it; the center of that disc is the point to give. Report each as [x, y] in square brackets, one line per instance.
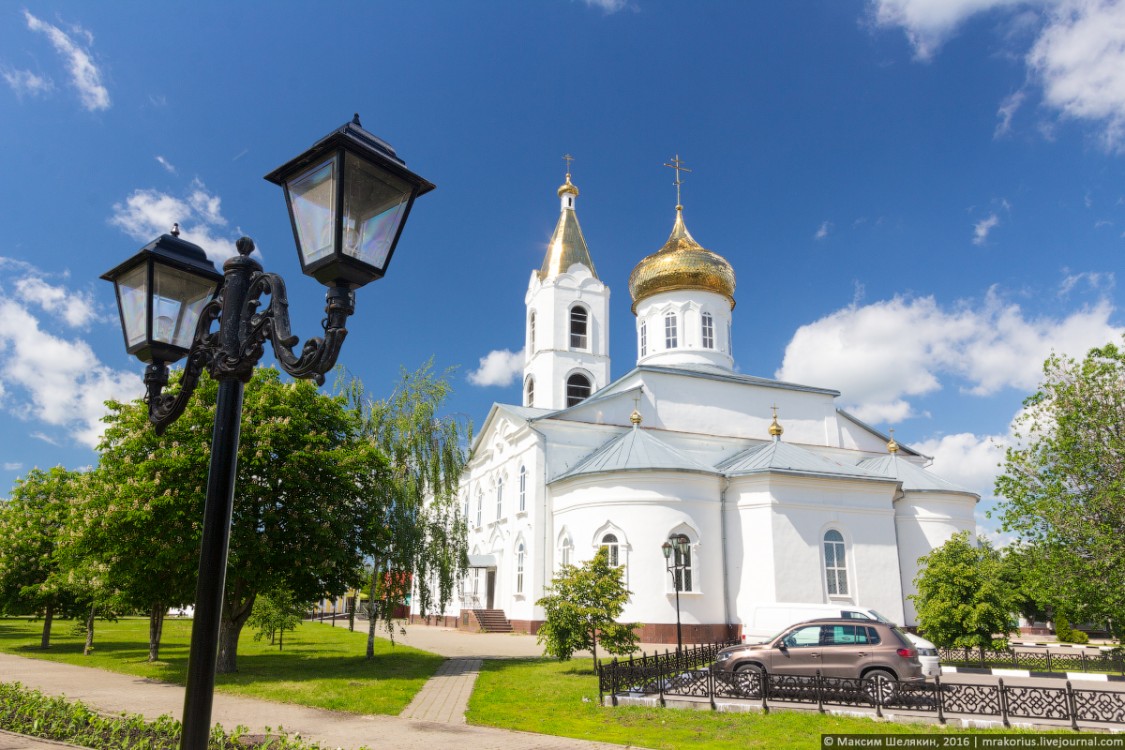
[348, 196]
[681, 545]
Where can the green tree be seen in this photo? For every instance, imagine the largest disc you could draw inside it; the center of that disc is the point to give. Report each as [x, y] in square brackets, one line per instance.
[582, 606]
[963, 599]
[417, 538]
[1064, 482]
[274, 613]
[306, 485]
[33, 525]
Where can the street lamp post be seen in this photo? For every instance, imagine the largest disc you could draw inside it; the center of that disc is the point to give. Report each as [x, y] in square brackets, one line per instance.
[349, 196]
[681, 545]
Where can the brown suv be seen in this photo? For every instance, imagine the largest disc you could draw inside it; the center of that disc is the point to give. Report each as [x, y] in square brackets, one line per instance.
[870, 650]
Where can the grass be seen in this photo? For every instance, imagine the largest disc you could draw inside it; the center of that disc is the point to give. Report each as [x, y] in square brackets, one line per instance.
[536, 695]
[320, 666]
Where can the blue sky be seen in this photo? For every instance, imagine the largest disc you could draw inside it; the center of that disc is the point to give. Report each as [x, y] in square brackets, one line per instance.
[920, 198]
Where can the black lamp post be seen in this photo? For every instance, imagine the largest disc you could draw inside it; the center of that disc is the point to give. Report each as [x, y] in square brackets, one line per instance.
[681, 545]
[349, 197]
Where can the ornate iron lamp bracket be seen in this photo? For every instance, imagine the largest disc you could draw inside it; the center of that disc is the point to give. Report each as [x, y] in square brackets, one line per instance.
[232, 352]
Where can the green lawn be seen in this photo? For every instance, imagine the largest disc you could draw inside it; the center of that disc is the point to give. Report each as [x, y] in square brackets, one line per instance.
[562, 699]
[320, 666]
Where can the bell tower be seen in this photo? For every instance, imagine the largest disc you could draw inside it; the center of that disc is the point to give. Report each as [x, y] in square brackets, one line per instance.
[566, 348]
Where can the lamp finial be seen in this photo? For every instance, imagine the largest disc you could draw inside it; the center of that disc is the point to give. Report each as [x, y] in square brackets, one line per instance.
[176, 229]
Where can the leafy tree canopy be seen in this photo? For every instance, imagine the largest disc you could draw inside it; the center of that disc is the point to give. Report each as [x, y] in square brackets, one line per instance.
[582, 606]
[1064, 482]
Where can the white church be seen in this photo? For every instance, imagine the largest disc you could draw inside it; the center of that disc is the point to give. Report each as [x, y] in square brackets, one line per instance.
[783, 496]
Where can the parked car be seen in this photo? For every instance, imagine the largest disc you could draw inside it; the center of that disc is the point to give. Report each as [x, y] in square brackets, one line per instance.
[874, 651]
[768, 619]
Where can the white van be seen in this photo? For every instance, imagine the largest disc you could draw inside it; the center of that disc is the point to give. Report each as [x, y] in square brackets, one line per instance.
[768, 620]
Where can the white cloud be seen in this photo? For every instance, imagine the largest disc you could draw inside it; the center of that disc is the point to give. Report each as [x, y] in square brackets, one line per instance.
[12, 466]
[982, 228]
[1080, 61]
[498, 367]
[75, 307]
[884, 355]
[50, 379]
[166, 164]
[608, 6]
[83, 73]
[822, 232]
[146, 214]
[928, 23]
[972, 461]
[25, 82]
[1006, 112]
[1103, 281]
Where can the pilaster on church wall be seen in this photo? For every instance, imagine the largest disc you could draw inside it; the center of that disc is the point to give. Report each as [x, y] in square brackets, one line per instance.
[924, 521]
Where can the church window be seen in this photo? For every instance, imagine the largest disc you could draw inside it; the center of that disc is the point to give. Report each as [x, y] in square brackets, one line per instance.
[671, 331]
[835, 563]
[577, 389]
[530, 392]
[708, 331]
[480, 506]
[465, 506]
[682, 570]
[520, 554]
[523, 489]
[565, 550]
[644, 338]
[531, 334]
[613, 549]
[499, 498]
[579, 327]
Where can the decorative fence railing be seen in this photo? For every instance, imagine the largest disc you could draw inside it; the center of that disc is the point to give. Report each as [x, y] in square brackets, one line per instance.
[1046, 660]
[656, 664]
[1064, 703]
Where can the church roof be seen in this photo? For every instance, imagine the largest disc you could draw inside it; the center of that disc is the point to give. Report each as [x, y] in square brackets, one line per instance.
[779, 456]
[914, 478]
[635, 450]
[567, 245]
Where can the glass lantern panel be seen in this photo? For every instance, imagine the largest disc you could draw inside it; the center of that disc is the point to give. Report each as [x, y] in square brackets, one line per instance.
[374, 206]
[132, 296]
[312, 198]
[178, 298]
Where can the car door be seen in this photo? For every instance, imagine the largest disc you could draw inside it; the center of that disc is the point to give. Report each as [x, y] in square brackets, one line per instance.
[844, 647]
[798, 651]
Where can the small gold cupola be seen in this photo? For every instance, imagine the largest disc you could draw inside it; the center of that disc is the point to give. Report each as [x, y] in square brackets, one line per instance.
[567, 245]
[775, 427]
[682, 263]
[892, 446]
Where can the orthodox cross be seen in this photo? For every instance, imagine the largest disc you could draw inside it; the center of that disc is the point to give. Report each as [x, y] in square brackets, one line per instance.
[568, 159]
[679, 167]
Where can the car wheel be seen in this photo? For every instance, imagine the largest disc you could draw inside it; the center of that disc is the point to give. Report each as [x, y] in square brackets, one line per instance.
[750, 678]
[880, 686]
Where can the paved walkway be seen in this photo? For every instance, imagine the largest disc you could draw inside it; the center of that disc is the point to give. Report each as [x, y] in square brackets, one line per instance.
[436, 717]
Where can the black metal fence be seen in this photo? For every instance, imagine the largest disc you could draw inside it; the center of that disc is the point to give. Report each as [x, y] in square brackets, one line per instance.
[663, 677]
[1045, 660]
[668, 663]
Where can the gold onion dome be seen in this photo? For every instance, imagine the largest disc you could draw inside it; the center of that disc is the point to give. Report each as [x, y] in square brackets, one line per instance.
[681, 264]
[567, 187]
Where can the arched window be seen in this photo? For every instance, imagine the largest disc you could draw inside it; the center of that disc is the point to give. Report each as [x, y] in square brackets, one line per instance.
[613, 547]
[499, 498]
[523, 489]
[465, 506]
[480, 506]
[579, 327]
[520, 554]
[708, 331]
[531, 334]
[644, 338]
[835, 563]
[565, 550]
[671, 331]
[530, 390]
[577, 389]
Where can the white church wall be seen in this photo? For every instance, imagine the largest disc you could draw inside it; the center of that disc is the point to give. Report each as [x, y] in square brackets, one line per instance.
[688, 305]
[750, 555]
[642, 509]
[924, 521]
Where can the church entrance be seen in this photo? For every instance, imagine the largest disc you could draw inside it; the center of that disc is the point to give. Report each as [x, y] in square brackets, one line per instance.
[490, 588]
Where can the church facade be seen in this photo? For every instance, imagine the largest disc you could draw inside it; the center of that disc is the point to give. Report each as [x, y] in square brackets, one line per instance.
[781, 495]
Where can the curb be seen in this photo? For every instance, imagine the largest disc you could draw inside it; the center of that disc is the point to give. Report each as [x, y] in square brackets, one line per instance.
[1002, 672]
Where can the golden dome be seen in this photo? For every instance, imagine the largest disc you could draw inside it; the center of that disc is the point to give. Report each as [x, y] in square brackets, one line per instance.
[681, 264]
[567, 187]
